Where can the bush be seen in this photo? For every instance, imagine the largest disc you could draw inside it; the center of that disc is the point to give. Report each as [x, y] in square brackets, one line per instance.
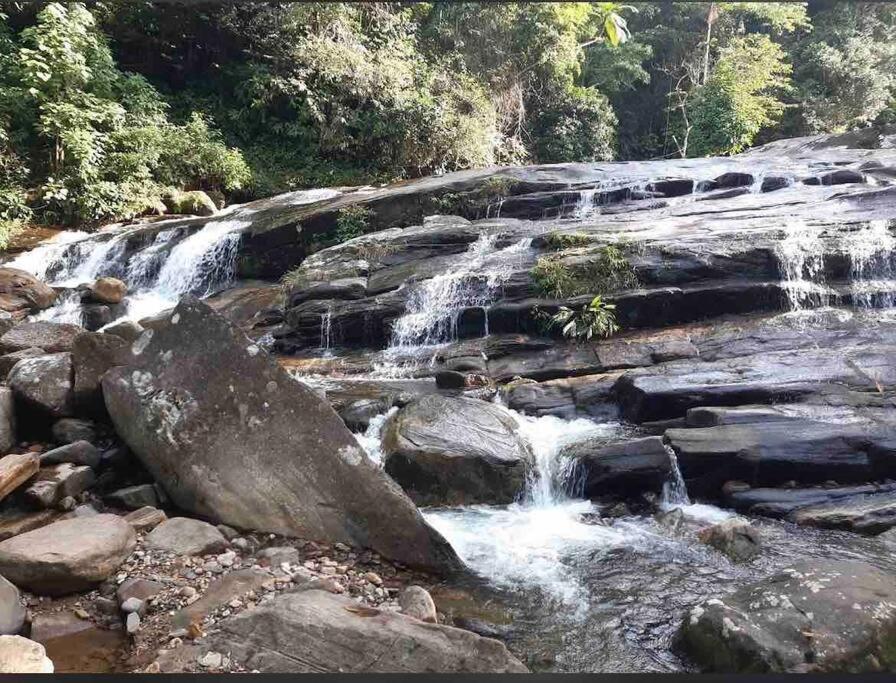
[597, 319]
[352, 221]
[606, 271]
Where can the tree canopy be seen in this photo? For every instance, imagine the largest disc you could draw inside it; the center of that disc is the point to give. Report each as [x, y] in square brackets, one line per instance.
[106, 107]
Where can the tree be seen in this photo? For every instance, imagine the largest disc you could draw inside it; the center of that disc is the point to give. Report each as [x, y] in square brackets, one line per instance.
[741, 96]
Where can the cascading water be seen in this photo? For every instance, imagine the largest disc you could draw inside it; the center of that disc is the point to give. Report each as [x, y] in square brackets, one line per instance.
[801, 257]
[586, 207]
[326, 331]
[434, 307]
[675, 492]
[871, 250]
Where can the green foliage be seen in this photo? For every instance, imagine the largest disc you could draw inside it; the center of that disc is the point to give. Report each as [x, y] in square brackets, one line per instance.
[580, 125]
[558, 241]
[99, 140]
[605, 270]
[740, 98]
[475, 203]
[352, 221]
[595, 320]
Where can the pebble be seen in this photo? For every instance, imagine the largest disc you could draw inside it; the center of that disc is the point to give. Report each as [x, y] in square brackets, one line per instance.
[132, 605]
[81, 614]
[226, 559]
[187, 591]
[133, 623]
[373, 578]
[211, 660]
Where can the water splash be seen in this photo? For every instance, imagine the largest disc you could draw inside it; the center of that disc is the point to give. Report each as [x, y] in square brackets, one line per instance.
[326, 330]
[371, 439]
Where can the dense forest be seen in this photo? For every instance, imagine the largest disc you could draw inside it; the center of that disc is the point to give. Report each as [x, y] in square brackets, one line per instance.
[108, 107]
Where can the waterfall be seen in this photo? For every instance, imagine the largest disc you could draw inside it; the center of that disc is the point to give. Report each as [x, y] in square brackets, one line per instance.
[326, 324]
[585, 207]
[675, 492]
[801, 257]
[371, 439]
[871, 250]
[434, 307]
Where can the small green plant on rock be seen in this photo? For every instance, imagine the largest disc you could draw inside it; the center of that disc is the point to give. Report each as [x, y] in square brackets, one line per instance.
[607, 270]
[596, 320]
[558, 241]
[352, 221]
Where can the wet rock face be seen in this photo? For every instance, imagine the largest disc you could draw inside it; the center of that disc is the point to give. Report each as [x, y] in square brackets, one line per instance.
[620, 470]
[315, 631]
[216, 421]
[815, 616]
[734, 537]
[448, 451]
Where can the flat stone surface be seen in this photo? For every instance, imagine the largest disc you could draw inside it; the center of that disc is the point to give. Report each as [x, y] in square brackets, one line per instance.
[315, 631]
[67, 556]
[185, 536]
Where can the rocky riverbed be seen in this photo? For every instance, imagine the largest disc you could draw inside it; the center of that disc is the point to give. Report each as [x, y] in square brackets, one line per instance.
[390, 443]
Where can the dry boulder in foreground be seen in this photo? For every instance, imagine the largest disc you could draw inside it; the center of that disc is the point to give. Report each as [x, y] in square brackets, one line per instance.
[233, 438]
[19, 655]
[815, 616]
[67, 556]
[313, 631]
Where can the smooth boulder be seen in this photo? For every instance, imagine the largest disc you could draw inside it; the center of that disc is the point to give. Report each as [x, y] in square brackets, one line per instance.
[67, 556]
[819, 615]
[621, 470]
[313, 631]
[45, 382]
[12, 613]
[108, 290]
[233, 438]
[454, 451]
[734, 537]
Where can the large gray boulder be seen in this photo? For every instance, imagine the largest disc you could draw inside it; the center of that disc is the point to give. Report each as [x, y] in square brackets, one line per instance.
[45, 382]
[67, 556]
[815, 616]
[452, 451]
[314, 631]
[233, 438]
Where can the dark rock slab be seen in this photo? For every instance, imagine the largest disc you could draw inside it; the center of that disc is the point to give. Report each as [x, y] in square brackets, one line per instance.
[772, 453]
[621, 470]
